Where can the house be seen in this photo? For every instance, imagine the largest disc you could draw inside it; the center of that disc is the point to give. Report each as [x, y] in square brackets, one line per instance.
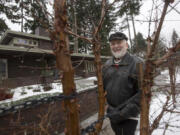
[24, 56]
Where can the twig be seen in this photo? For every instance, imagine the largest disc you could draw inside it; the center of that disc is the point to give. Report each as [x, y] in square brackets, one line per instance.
[159, 117]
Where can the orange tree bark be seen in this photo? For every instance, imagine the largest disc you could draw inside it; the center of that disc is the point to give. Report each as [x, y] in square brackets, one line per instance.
[148, 79]
[63, 63]
[146, 98]
[101, 94]
[96, 50]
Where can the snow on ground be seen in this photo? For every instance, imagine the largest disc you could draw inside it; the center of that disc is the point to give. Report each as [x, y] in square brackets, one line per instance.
[157, 102]
[25, 92]
[165, 75]
[92, 78]
[159, 99]
[172, 119]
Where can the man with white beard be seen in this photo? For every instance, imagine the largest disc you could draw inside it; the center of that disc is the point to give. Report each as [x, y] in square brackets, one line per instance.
[121, 84]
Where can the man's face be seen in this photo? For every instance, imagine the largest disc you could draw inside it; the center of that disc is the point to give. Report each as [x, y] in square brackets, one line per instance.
[118, 48]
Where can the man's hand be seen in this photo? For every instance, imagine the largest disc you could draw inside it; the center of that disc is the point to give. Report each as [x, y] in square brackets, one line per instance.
[114, 115]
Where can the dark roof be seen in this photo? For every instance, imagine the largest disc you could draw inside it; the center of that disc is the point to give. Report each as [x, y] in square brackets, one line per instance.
[9, 34]
[22, 49]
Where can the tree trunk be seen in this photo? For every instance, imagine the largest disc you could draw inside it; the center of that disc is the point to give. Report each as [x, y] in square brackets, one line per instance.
[129, 32]
[63, 63]
[22, 15]
[148, 46]
[172, 68]
[101, 94]
[145, 86]
[75, 28]
[148, 79]
[134, 30]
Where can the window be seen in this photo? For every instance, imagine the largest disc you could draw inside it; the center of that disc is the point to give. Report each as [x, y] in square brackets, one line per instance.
[24, 42]
[3, 69]
[34, 42]
[30, 42]
[21, 41]
[89, 65]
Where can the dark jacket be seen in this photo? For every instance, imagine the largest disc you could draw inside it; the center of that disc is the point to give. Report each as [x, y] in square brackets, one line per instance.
[121, 85]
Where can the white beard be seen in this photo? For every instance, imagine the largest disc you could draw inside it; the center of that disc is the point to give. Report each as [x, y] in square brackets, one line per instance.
[119, 54]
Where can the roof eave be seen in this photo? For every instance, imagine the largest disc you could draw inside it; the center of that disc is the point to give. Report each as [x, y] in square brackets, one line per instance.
[23, 35]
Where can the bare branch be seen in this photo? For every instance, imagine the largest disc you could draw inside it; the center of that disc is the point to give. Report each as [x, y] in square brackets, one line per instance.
[46, 13]
[79, 29]
[159, 29]
[76, 35]
[97, 29]
[159, 117]
[112, 3]
[172, 111]
[172, 7]
[167, 55]
[150, 19]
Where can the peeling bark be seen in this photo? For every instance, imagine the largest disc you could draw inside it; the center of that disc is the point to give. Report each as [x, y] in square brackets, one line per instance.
[148, 79]
[145, 99]
[63, 63]
[101, 94]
